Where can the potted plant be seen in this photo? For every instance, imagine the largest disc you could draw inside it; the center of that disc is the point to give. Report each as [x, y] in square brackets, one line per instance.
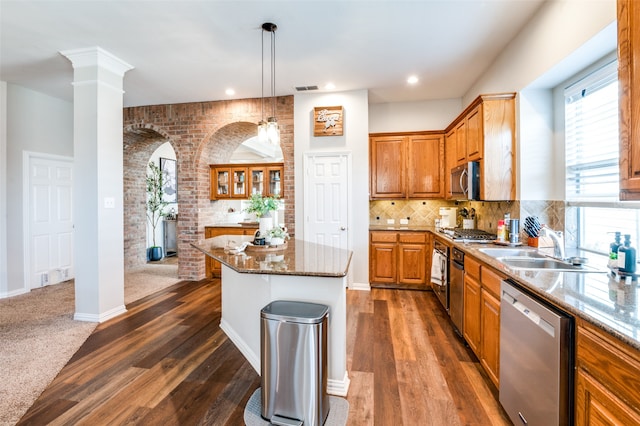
[262, 208]
[155, 207]
[277, 235]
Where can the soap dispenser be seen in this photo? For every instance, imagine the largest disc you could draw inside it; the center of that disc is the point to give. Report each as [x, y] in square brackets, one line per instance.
[627, 256]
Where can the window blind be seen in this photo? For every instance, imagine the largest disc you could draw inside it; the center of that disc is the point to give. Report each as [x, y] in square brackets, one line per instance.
[591, 136]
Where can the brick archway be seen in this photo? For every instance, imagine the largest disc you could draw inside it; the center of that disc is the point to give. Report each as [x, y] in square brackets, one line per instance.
[201, 133]
[139, 144]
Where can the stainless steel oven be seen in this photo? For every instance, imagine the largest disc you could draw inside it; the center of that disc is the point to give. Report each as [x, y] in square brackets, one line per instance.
[440, 272]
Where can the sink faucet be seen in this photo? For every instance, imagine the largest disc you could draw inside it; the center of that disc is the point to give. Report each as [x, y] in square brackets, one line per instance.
[558, 241]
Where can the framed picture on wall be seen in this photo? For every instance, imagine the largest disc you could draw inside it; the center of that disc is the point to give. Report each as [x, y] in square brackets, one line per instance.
[169, 180]
[327, 121]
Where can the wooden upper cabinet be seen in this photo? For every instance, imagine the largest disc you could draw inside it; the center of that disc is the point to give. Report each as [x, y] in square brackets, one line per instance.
[488, 128]
[426, 166]
[450, 159]
[235, 181]
[461, 142]
[629, 90]
[387, 166]
[406, 165]
[474, 134]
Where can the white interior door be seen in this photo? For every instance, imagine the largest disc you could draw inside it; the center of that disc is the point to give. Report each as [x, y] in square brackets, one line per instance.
[326, 199]
[50, 251]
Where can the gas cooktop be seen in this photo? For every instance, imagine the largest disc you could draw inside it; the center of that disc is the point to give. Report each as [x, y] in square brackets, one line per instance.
[475, 235]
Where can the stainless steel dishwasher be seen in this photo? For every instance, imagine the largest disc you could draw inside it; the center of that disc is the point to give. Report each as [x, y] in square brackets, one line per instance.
[536, 360]
[456, 289]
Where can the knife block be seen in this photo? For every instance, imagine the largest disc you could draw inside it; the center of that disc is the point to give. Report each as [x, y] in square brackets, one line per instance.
[540, 242]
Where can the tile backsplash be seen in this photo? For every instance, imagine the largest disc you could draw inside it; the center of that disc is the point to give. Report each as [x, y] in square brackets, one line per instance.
[424, 213]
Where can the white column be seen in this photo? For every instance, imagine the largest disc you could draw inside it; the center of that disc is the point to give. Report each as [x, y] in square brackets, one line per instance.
[98, 183]
[3, 190]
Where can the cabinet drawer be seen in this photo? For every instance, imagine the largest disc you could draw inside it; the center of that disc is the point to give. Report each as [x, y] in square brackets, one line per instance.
[472, 267]
[611, 362]
[491, 280]
[413, 237]
[383, 237]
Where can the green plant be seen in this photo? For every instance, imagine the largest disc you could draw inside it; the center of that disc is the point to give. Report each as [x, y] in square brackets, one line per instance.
[278, 232]
[155, 195]
[260, 205]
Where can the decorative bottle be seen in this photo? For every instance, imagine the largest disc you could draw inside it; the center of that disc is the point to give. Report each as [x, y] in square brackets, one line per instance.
[613, 251]
[627, 256]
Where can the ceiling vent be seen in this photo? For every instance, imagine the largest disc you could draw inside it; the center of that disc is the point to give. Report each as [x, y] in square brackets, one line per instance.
[306, 88]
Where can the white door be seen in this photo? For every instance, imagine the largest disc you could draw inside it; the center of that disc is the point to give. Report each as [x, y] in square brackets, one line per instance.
[50, 251]
[326, 199]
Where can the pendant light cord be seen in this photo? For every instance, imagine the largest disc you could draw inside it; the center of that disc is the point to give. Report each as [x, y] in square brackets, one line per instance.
[273, 71]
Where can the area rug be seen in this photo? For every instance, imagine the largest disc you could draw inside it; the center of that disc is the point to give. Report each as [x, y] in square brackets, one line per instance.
[338, 411]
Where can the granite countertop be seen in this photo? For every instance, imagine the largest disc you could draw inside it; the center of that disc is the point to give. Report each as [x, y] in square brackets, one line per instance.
[299, 258]
[597, 297]
[235, 225]
[396, 227]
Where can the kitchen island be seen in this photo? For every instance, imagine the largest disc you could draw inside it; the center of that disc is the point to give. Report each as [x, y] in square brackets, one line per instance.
[302, 271]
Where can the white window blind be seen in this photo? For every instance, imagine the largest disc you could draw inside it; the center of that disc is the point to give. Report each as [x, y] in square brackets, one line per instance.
[591, 136]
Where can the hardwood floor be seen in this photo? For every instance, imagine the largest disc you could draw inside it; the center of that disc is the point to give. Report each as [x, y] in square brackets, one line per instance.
[167, 362]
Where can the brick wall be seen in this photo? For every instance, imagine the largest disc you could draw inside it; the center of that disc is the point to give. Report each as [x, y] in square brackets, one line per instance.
[201, 133]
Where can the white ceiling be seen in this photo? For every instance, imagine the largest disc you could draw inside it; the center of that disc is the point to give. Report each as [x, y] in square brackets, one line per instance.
[188, 51]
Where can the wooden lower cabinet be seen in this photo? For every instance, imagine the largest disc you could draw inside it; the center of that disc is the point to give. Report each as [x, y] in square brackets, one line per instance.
[481, 326]
[607, 379]
[490, 341]
[213, 268]
[398, 259]
[472, 313]
[383, 263]
[412, 258]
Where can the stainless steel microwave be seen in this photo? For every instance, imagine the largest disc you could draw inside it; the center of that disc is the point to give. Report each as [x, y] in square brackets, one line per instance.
[465, 181]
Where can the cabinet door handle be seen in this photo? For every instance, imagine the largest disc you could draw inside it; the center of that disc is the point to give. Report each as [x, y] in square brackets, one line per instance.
[343, 228]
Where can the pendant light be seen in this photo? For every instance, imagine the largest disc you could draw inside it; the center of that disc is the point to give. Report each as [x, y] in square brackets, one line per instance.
[268, 131]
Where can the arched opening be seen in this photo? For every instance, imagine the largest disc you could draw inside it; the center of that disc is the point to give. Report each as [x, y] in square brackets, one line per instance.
[140, 147]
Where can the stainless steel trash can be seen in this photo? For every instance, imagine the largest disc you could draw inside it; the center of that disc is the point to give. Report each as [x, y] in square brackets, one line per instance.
[293, 363]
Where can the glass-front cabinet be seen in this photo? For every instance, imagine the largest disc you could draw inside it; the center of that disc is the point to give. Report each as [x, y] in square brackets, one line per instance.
[221, 188]
[239, 189]
[241, 182]
[258, 178]
[275, 186]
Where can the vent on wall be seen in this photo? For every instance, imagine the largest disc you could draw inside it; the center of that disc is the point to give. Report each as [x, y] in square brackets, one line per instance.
[306, 88]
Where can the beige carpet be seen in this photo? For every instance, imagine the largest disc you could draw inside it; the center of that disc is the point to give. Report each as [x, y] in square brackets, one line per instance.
[38, 335]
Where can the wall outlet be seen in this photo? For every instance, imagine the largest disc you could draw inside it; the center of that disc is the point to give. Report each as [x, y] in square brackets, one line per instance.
[391, 221]
[44, 279]
[404, 221]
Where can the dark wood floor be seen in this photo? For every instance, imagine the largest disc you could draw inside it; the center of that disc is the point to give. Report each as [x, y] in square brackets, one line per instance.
[166, 362]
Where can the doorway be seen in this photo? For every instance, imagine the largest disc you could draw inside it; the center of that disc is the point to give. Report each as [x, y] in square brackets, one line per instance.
[327, 198]
[48, 201]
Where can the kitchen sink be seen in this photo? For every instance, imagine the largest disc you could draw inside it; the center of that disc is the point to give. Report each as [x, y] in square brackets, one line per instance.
[531, 259]
[511, 252]
[545, 264]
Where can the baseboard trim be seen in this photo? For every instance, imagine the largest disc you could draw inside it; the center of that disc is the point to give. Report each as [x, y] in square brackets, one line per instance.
[360, 286]
[105, 316]
[13, 293]
[339, 387]
[254, 359]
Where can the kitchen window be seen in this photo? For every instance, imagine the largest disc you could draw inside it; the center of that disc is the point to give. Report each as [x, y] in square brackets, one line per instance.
[592, 160]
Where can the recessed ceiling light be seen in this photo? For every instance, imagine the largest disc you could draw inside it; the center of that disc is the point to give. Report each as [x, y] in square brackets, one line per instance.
[412, 79]
[330, 86]
[230, 92]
